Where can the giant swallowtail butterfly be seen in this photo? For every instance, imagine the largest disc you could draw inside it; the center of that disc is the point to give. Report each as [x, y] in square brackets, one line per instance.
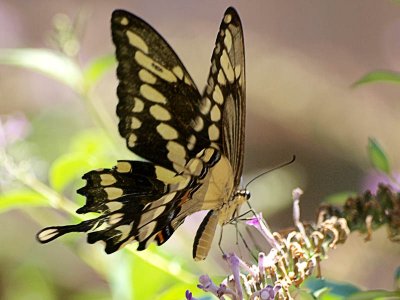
[193, 142]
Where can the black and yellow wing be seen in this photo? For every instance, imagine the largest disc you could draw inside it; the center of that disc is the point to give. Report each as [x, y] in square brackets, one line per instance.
[193, 143]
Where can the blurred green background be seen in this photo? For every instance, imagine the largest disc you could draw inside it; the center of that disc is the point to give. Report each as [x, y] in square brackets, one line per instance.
[56, 124]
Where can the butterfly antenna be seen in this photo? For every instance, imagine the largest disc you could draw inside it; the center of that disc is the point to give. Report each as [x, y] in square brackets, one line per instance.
[273, 169]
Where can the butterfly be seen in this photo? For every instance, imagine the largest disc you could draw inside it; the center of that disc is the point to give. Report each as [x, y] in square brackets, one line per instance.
[193, 143]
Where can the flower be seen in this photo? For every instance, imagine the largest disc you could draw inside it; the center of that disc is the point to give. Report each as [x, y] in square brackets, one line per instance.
[267, 293]
[258, 222]
[189, 295]
[12, 128]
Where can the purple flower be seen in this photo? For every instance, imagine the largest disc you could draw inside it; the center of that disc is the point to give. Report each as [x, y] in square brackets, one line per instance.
[374, 178]
[13, 128]
[267, 293]
[258, 222]
[207, 285]
[234, 263]
[189, 296]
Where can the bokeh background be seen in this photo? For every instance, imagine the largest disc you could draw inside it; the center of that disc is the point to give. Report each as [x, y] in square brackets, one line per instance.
[301, 57]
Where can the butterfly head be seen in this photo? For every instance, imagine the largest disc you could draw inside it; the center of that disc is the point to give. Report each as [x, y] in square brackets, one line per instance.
[244, 193]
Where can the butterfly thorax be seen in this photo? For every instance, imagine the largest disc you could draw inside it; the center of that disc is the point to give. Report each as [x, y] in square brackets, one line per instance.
[229, 209]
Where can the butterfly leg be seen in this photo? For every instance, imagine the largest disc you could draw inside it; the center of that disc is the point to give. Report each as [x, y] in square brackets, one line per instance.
[220, 240]
[240, 217]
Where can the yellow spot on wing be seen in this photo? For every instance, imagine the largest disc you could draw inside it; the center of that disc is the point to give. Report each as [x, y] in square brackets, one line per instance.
[178, 72]
[147, 77]
[146, 230]
[198, 124]
[138, 105]
[191, 142]
[217, 95]
[151, 214]
[135, 123]
[176, 153]
[125, 230]
[228, 40]
[107, 179]
[123, 167]
[215, 113]
[114, 205]
[113, 193]
[47, 234]
[227, 66]
[160, 113]
[136, 41]
[154, 67]
[169, 197]
[207, 154]
[227, 18]
[187, 80]
[152, 94]
[205, 106]
[115, 218]
[195, 166]
[132, 140]
[166, 175]
[213, 132]
[124, 21]
[238, 71]
[221, 77]
[167, 131]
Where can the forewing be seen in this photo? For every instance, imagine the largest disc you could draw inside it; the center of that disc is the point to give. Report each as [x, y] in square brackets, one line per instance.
[224, 97]
[158, 100]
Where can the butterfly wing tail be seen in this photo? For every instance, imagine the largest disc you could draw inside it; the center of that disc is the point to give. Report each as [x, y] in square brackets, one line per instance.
[51, 233]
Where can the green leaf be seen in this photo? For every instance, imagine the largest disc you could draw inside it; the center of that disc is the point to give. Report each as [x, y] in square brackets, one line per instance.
[301, 294]
[92, 142]
[334, 289]
[90, 295]
[375, 295]
[68, 168]
[339, 198]
[149, 288]
[26, 281]
[375, 76]
[90, 149]
[120, 276]
[51, 63]
[97, 68]
[20, 198]
[377, 156]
